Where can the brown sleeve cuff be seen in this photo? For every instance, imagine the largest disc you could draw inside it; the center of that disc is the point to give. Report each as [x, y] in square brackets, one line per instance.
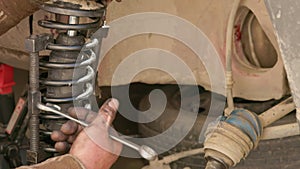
[61, 162]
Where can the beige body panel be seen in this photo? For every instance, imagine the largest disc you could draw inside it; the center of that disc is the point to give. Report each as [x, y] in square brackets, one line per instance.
[12, 43]
[210, 16]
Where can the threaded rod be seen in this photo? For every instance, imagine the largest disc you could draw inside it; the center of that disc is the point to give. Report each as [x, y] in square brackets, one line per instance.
[34, 97]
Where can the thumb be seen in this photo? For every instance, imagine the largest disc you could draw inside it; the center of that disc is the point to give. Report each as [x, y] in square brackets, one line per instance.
[98, 129]
[108, 111]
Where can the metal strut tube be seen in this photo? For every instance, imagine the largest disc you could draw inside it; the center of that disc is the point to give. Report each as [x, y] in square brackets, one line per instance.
[73, 20]
[212, 164]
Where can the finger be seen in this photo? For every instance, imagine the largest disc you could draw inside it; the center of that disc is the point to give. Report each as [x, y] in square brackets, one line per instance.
[62, 147]
[112, 103]
[104, 119]
[108, 111]
[71, 139]
[69, 128]
[58, 136]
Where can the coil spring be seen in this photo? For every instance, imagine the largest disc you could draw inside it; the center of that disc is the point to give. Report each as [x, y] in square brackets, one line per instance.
[69, 53]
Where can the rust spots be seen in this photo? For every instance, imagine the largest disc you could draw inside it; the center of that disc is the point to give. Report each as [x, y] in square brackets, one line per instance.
[52, 31]
[237, 32]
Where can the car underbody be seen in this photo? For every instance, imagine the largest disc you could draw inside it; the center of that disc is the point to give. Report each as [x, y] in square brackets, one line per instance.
[206, 84]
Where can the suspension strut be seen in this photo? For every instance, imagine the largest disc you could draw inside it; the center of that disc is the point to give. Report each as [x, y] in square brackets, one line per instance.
[65, 76]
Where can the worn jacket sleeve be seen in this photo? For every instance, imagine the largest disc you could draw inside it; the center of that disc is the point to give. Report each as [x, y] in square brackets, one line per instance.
[62, 162]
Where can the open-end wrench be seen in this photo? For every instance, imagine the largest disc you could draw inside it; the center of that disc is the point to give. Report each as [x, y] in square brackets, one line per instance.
[145, 151]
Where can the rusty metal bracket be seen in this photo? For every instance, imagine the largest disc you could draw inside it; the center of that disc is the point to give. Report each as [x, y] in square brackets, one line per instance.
[36, 43]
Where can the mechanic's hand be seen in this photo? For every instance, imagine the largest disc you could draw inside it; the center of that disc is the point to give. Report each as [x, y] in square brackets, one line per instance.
[92, 146]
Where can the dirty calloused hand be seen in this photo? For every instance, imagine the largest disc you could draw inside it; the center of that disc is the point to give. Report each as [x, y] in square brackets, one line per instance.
[92, 145]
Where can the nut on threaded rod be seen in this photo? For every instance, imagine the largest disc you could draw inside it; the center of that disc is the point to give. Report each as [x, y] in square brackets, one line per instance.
[214, 164]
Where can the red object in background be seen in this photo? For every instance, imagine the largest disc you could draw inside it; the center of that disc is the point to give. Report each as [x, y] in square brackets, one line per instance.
[6, 79]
